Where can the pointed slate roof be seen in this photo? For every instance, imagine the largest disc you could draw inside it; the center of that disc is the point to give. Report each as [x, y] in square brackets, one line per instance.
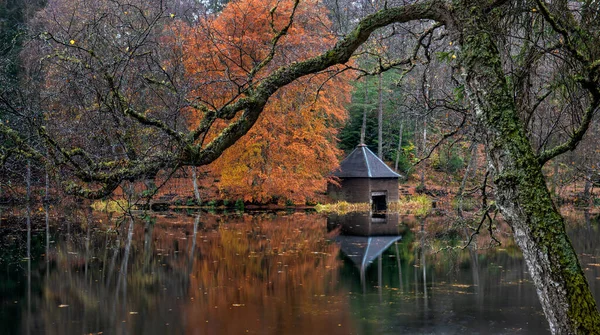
[363, 250]
[363, 163]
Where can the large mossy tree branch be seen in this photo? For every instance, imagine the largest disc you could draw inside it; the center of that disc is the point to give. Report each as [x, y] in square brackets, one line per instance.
[253, 104]
[18, 145]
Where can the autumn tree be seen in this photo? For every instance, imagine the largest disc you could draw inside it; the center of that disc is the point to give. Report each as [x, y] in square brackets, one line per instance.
[292, 147]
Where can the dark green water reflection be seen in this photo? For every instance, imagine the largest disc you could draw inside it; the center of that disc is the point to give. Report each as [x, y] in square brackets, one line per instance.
[260, 274]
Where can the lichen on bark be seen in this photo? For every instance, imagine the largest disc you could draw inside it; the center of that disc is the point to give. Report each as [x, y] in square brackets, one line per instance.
[521, 192]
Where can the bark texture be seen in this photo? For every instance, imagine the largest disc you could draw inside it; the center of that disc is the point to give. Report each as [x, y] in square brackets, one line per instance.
[521, 192]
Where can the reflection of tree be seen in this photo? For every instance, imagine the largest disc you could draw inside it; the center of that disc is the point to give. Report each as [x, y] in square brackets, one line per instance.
[20, 248]
[267, 274]
[263, 273]
[109, 282]
[443, 287]
[152, 278]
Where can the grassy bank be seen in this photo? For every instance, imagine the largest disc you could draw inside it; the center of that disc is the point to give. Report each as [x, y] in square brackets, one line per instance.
[419, 205]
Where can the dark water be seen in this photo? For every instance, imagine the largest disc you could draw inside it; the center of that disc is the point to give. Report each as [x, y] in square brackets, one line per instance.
[262, 274]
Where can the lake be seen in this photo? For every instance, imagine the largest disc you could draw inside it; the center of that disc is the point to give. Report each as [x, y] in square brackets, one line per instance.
[74, 271]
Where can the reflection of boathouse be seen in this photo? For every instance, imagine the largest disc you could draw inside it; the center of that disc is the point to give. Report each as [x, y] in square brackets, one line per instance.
[363, 238]
[364, 178]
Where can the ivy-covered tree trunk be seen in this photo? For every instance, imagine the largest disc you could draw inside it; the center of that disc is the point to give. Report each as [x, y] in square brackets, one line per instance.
[521, 192]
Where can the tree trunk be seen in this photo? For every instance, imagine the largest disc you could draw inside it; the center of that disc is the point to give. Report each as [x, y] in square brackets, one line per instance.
[555, 179]
[28, 181]
[463, 183]
[521, 192]
[47, 188]
[363, 128]
[195, 183]
[399, 146]
[424, 149]
[587, 197]
[380, 119]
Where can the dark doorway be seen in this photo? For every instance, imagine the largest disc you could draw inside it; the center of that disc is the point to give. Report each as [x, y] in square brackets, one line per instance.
[378, 201]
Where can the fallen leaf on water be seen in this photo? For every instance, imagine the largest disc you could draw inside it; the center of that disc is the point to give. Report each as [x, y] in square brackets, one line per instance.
[238, 305]
[63, 306]
[594, 264]
[133, 313]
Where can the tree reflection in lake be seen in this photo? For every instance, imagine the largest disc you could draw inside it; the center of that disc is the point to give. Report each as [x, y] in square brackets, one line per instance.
[266, 274]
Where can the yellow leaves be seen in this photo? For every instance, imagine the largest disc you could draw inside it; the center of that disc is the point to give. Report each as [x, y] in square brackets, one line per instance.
[172, 15]
[72, 42]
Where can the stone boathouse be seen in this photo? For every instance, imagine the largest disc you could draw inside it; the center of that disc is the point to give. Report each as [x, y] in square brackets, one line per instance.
[364, 178]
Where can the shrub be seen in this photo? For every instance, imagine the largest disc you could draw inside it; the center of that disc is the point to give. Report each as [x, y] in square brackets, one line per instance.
[445, 161]
[343, 207]
[468, 203]
[110, 206]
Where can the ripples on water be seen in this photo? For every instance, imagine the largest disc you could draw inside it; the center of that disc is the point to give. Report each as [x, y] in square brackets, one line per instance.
[260, 274]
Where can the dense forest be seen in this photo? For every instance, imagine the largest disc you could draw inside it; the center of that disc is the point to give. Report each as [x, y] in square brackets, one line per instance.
[160, 66]
[117, 85]
[258, 100]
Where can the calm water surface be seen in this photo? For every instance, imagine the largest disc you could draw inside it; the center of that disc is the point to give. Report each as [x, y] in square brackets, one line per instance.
[77, 273]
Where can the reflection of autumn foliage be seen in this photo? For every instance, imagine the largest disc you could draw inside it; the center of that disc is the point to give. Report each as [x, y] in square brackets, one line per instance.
[292, 146]
[282, 265]
[267, 274]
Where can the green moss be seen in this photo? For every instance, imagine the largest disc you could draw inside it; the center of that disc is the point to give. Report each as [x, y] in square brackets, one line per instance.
[518, 172]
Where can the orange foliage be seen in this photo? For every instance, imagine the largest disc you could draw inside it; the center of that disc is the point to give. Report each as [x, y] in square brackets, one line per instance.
[293, 145]
[258, 272]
